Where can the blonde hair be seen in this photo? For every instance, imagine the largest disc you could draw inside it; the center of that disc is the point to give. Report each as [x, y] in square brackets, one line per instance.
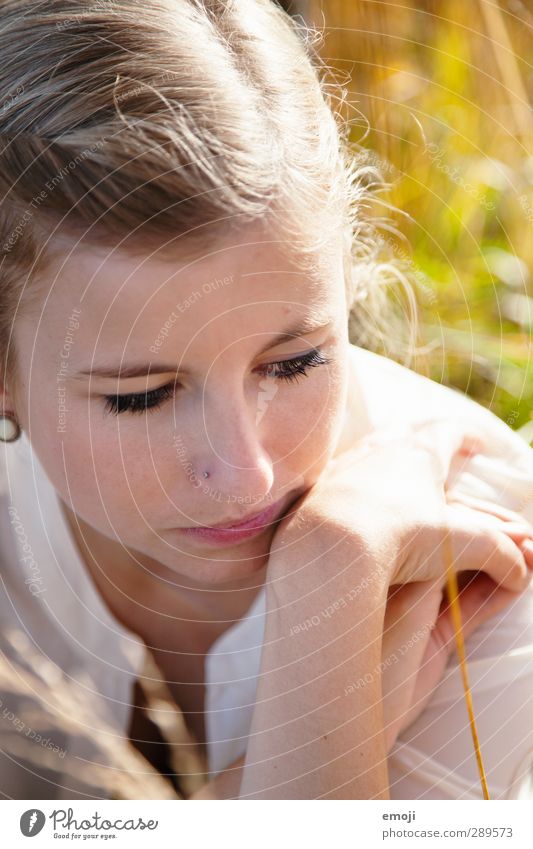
[125, 120]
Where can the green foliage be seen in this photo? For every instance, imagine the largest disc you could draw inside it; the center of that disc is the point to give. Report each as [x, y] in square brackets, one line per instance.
[444, 88]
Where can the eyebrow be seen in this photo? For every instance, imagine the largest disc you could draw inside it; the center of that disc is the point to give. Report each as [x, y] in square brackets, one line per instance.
[309, 324]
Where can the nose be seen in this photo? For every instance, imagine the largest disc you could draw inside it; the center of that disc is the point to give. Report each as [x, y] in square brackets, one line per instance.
[240, 469]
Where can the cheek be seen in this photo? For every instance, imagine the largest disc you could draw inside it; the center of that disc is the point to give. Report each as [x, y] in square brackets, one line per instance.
[305, 422]
[122, 471]
[104, 471]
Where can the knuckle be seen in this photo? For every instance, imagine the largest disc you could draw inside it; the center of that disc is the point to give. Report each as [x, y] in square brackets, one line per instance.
[501, 552]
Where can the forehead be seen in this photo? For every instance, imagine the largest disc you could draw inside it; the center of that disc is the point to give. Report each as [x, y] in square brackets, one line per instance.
[123, 294]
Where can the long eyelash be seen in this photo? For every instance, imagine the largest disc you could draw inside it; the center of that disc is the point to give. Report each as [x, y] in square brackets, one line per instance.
[291, 370]
[139, 402]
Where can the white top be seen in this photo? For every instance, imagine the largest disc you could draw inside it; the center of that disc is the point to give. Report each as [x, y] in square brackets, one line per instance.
[50, 606]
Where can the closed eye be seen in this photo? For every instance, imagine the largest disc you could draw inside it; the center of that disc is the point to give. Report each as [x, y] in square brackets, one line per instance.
[138, 402]
[291, 370]
[288, 370]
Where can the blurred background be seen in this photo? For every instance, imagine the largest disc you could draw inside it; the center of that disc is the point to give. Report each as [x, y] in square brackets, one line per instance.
[440, 93]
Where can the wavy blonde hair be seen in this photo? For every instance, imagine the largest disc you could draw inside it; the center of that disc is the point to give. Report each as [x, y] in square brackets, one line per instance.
[132, 121]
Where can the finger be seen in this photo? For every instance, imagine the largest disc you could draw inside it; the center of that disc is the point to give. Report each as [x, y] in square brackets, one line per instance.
[410, 616]
[527, 550]
[489, 550]
[484, 550]
[519, 534]
[516, 528]
[432, 667]
[465, 546]
[525, 546]
[479, 601]
[404, 644]
[415, 601]
[487, 507]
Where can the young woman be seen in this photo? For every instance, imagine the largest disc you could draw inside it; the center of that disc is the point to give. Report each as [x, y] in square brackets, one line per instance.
[199, 467]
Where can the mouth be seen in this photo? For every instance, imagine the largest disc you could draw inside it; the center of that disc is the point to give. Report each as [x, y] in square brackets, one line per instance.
[231, 533]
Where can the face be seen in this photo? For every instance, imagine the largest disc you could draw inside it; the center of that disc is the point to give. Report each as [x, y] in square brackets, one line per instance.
[141, 375]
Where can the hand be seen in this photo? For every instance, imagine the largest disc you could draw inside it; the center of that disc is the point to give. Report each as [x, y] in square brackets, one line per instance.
[419, 637]
[376, 517]
[389, 498]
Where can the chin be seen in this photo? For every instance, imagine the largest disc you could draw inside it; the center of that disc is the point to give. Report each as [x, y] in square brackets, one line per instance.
[216, 568]
[220, 573]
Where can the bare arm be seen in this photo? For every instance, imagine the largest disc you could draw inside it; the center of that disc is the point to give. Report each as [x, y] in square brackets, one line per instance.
[374, 524]
[308, 739]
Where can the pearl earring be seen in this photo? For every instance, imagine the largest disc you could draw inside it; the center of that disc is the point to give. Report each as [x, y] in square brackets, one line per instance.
[9, 428]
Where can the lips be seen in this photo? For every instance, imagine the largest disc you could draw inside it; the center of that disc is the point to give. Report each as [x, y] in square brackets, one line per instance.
[228, 534]
[251, 520]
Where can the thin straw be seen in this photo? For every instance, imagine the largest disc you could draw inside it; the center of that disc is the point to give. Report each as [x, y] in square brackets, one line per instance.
[453, 593]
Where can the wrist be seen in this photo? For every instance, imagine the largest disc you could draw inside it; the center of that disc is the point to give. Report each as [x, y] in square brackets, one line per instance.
[325, 568]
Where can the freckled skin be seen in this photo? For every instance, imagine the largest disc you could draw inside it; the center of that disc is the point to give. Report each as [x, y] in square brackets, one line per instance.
[122, 477]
